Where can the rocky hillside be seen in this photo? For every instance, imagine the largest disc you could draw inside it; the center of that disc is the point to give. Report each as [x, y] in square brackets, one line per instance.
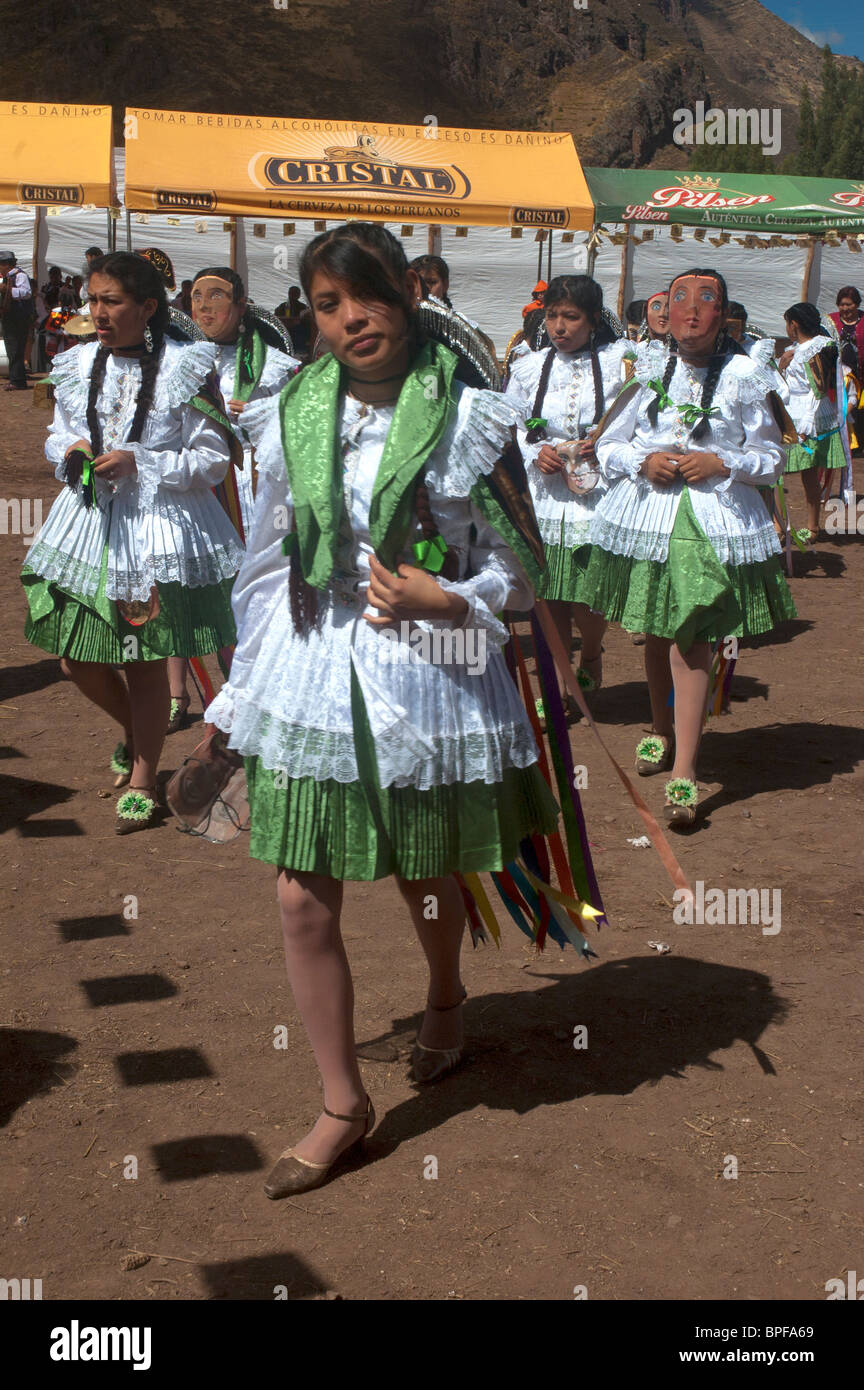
[613, 73]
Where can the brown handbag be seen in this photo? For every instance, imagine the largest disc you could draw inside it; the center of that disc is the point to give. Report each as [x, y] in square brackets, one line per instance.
[208, 794]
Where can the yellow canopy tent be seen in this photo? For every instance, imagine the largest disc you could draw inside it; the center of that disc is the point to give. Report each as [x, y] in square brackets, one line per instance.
[55, 155]
[183, 161]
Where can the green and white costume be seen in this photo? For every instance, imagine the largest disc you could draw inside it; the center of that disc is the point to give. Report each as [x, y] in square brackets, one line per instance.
[161, 527]
[569, 408]
[362, 761]
[813, 411]
[689, 562]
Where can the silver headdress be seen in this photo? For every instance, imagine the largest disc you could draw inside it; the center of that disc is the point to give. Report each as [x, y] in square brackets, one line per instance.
[183, 328]
[264, 316]
[479, 367]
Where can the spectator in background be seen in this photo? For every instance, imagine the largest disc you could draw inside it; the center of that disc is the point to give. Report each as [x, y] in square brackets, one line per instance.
[93, 253]
[78, 290]
[634, 314]
[183, 299]
[52, 290]
[298, 320]
[848, 320]
[16, 316]
[435, 271]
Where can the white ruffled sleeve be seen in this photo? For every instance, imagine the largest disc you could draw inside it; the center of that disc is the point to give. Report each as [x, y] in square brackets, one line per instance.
[761, 458]
[61, 436]
[497, 581]
[202, 462]
[70, 403]
[617, 456]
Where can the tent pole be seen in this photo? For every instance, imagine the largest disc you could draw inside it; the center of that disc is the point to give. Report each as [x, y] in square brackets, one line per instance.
[549, 260]
[128, 230]
[592, 253]
[233, 244]
[808, 270]
[433, 240]
[37, 227]
[626, 266]
[540, 258]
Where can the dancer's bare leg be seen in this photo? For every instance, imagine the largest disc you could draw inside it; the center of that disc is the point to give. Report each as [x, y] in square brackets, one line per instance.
[591, 627]
[441, 939]
[150, 702]
[104, 687]
[311, 906]
[177, 670]
[658, 673]
[691, 674]
[813, 494]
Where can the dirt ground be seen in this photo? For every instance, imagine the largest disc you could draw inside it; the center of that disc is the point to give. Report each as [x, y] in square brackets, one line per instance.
[606, 1169]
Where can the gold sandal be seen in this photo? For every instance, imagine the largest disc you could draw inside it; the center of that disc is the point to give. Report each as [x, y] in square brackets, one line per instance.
[682, 803]
[431, 1063]
[292, 1174]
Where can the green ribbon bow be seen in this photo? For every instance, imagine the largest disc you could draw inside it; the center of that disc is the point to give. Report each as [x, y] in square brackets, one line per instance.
[429, 554]
[690, 414]
[535, 423]
[309, 412]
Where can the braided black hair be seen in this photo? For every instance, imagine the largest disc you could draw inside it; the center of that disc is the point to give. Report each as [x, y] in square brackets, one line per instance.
[808, 318]
[723, 348]
[585, 294]
[140, 278]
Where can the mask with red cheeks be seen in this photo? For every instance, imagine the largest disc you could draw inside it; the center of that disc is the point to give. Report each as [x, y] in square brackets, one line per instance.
[696, 312]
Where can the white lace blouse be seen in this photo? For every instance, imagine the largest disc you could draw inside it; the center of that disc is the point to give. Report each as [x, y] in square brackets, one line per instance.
[813, 415]
[434, 722]
[635, 518]
[162, 524]
[570, 407]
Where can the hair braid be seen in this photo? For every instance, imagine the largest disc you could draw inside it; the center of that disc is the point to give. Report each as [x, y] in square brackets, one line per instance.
[667, 381]
[428, 525]
[146, 391]
[712, 377]
[97, 376]
[598, 382]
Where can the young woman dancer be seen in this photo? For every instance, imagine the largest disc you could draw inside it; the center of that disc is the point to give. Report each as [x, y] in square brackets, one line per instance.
[561, 393]
[360, 762]
[251, 364]
[136, 558]
[810, 369]
[683, 547]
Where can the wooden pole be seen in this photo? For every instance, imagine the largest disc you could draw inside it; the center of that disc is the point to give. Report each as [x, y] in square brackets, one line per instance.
[549, 260]
[37, 225]
[233, 244]
[808, 270]
[433, 240]
[626, 252]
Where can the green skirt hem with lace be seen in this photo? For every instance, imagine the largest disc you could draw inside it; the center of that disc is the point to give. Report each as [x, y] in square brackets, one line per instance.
[819, 453]
[691, 596]
[191, 622]
[363, 831]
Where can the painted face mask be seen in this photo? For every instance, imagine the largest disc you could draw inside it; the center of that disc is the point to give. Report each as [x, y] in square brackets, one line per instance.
[695, 310]
[214, 308]
[657, 314]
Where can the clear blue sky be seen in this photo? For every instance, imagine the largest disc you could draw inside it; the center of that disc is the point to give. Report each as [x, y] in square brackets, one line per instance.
[825, 21]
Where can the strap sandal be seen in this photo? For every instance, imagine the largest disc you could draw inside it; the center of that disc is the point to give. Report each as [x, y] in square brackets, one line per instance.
[682, 803]
[179, 715]
[121, 764]
[430, 1064]
[654, 753]
[137, 809]
[292, 1174]
[590, 673]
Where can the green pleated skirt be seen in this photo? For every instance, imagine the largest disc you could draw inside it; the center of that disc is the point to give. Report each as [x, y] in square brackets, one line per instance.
[191, 622]
[564, 576]
[819, 453]
[691, 596]
[362, 831]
